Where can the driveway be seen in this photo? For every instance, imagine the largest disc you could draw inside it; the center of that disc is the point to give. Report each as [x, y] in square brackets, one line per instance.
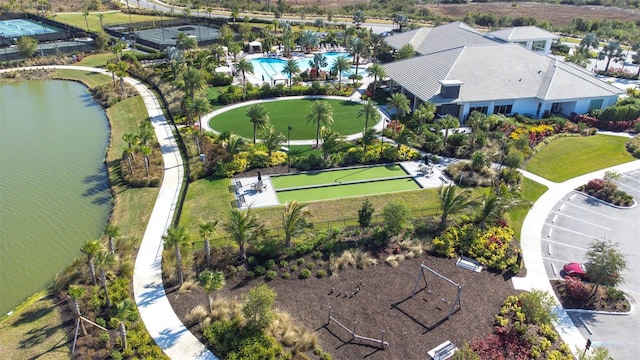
[576, 220]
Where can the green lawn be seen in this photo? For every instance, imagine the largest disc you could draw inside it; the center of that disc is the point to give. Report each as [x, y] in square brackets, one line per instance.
[337, 176]
[207, 200]
[292, 112]
[77, 20]
[530, 191]
[568, 157]
[348, 190]
[89, 78]
[98, 60]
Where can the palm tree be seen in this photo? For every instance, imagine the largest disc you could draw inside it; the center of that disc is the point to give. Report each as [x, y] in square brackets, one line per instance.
[370, 111]
[272, 139]
[185, 42]
[378, 72]
[479, 160]
[132, 141]
[123, 66]
[243, 227]
[400, 103]
[112, 68]
[111, 231]
[217, 51]
[199, 107]
[85, 13]
[636, 56]
[448, 122]
[146, 151]
[294, 220]
[193, 81]
[100, 17]
[235, 144]
[330, 141]
[358, 49]
[424, 114]
[91, 248]
[291, 68]
[368, 137]
[321, 114]
[476, 121]
[612, 50]
[177, 237]
[495, 205]
[580, 57]
[211, 281]
[590, 40]
[245, 66]
[376, 42]
[259, 117]
[452, 203]
[76, 292]
[405, 137]
[145, 132]
[205, 230]
[125, 311]
[104, 260]
[308, 39]
[318, 61]
[340, 65]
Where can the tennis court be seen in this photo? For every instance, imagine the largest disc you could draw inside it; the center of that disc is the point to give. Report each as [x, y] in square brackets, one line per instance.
[166, 36]
[21, 27]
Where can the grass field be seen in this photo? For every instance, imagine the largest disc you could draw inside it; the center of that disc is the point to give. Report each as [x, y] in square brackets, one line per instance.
[110, 18]
[292, 112]
[347, 190]
[337, 176]
[530, 191]
[98, 60]
[566, 158]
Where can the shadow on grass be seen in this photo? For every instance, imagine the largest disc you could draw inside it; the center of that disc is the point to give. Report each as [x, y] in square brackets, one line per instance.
[33, 315]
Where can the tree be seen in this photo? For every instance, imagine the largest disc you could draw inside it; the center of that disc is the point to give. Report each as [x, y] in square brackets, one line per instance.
[405, 52]
[475, 122]
[258, 307]
[100, 18]
[636, 56]
[294, 220]
[376, 43]
[125, 311]
[580, 56]
[405, 137]
[452, 202]
[494, 205]
[217, 51]
[538, 307]
[358, 18]
[365, 214]
[235, 144]
[479, 160]
[370, 111]
[199, 107]
[211, 281]
[378, 72]
[205, 230]
[193, 81]
[185, 42]
[259, 117]
[146, 151]
[27, 46]
[291, 68]
[330, 141]
[244, 66]
[401, 20]
[85, 14]
[309, 39]
[605, 264]
[272, 139]
[611, 51]
[112, 232]
[400, 103]
[368, 138]
[104, 260]
[318, 61]
[395, 217]
[358, 49]
[121, 73]
[113, 68]
[90, 249]
[76, 292]
[590, 40]
[448, 122]
[321, 114]
[243, 227]
[340, 65]
[177, 237]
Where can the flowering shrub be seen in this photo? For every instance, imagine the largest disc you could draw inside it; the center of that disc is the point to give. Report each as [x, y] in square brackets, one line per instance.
[446, 243]
[504, 343]
[576, 288]
[492, 248]
[278, 158]
[607, 191]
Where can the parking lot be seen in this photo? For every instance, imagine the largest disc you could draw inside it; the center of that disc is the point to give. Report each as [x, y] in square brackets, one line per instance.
[572, 224]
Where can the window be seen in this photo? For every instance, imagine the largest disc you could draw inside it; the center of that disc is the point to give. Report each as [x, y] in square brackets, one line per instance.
[502, 109]
[482, 109]
[538, 45]
[523, 43]
[555, 108]
[595, 104]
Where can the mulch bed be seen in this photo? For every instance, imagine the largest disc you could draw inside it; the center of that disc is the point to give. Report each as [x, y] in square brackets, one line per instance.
[600, 302]
[412, 325]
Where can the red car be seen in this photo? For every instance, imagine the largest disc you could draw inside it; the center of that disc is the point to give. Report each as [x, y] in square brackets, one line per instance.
[575, 269]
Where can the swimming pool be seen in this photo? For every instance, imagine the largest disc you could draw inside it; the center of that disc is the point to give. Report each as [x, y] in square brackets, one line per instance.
[20, 27]
[267, 67]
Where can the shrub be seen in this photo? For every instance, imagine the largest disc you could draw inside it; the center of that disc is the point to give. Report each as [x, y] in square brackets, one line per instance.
[615, 294]
[196, 315]
[311, 265]
[294, 268]
[447, 242]
[286, 275]
[271, 263]
[304, 274]
[321, 273]
[271, 275]
[493, 248]
[259, 270]
[576, 288]
[283, 263]
[538, 306]
[300, 261]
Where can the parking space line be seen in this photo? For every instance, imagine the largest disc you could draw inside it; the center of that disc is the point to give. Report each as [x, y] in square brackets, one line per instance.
[578, 219]
[567, 245]
[589, 210]
[627, 186]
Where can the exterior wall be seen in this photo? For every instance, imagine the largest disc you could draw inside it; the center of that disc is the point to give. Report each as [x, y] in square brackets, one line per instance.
[547, 45]
[582, 105]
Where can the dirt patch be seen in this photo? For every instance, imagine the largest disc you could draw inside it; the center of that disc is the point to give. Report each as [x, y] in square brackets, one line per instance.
[412, 325]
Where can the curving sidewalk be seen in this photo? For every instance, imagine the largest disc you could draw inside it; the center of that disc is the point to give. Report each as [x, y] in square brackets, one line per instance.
[156, 312]
[536, 277]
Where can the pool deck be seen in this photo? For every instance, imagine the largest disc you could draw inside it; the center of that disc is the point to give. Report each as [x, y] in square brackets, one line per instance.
[267, 197]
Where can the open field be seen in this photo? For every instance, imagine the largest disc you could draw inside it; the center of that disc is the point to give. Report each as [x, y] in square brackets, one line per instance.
[568, 157]
[337, 176]
[291, 112]
[347, 190]
[110, 18]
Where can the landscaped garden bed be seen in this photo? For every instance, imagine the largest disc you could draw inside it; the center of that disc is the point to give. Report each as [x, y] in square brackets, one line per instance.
[607, 191]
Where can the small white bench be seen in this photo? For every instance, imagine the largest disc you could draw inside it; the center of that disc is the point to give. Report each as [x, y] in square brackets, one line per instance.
[443, 351]
[469, 264]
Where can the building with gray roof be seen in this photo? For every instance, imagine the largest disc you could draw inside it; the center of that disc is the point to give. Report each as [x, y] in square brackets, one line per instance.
[531, 37]
[502, 78]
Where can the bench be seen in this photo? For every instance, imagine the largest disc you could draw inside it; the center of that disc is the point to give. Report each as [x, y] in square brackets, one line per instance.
[469, 264]
[443, 351]
[241, 199]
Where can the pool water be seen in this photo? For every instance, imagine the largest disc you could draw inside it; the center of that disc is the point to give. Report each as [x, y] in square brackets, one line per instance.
[20, 27]
[267, 67]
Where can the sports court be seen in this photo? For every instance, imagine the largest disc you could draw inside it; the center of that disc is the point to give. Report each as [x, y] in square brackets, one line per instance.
[166, 36]
[20, 27]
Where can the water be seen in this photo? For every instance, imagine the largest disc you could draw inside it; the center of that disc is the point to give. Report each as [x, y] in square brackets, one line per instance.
[268, 67]
[54, 191]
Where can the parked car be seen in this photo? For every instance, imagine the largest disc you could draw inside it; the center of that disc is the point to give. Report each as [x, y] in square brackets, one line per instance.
[575, 269]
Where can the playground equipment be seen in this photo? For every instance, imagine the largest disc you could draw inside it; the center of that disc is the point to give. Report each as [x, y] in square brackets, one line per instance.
[380, 343]
[424, 276]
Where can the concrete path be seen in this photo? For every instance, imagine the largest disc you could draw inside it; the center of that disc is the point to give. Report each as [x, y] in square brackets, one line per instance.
[536, 277]
[156, 312]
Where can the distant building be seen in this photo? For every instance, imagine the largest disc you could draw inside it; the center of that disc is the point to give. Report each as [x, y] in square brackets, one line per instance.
[531, 37]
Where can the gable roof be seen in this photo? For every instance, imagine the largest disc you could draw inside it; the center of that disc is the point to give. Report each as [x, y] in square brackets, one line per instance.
[429, 40]
[496, 72]
[522, 33]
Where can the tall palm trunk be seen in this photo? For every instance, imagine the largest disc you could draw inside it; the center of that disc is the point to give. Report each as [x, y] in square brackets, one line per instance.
[207, 251]
[112, 247]
[179, 264]
[122, 329]
[76, 309]
[92, 269]
[103, 279]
